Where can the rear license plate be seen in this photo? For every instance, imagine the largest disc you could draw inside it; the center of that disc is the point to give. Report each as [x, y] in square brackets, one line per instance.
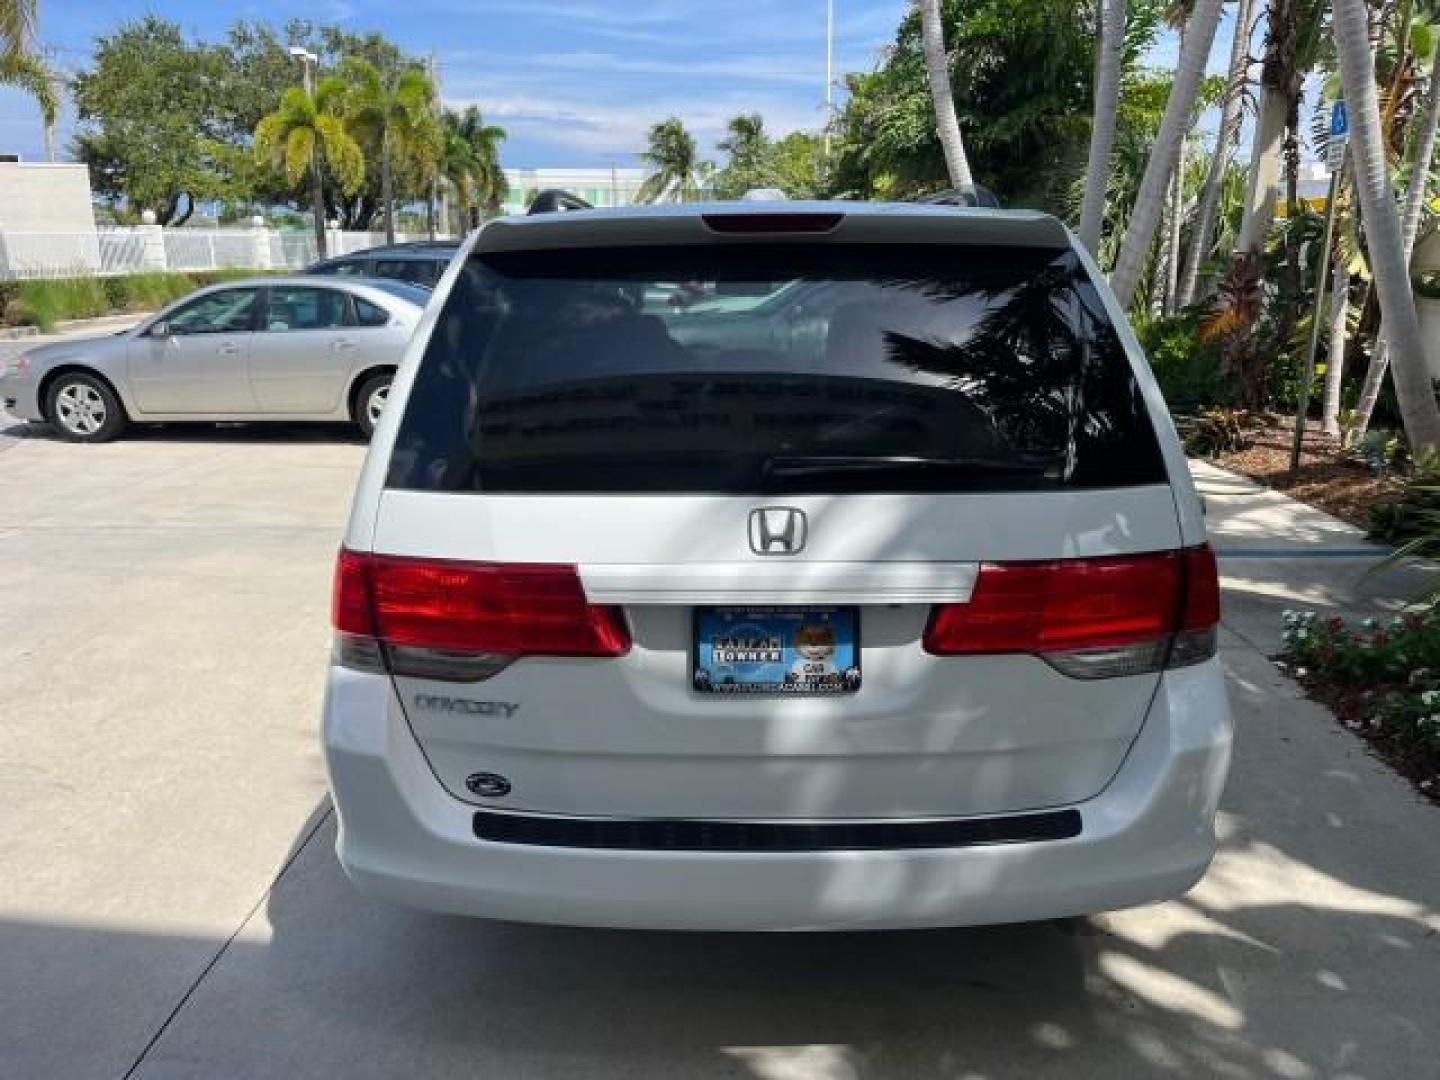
[776, 650]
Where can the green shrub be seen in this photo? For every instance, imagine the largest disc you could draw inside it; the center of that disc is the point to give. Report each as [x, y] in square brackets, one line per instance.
[51, 301]
[1186, 366]
[1219, 431]
[1415, 517]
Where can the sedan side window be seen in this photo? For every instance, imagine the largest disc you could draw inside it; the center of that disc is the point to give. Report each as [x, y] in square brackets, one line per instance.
[230, 311]
[416, 271]
[301, 308]
[368, 314]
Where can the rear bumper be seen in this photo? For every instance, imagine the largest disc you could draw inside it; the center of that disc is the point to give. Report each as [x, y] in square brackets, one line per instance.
[1148, 836]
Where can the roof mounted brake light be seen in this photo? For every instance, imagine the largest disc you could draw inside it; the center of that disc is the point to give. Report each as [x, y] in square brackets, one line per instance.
[798, 222]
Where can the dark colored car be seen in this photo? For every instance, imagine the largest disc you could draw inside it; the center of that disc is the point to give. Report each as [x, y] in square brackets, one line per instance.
[420, 263]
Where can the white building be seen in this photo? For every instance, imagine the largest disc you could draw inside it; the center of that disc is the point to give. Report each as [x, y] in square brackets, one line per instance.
[41, 196]
[609, 186]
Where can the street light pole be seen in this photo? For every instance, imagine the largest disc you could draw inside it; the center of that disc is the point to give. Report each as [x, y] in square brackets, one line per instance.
[829, 71]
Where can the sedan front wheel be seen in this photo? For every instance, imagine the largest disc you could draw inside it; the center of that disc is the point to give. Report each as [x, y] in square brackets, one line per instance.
[83, 408]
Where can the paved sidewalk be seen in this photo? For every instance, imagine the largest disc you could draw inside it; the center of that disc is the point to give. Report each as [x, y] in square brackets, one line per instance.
[1276, 553]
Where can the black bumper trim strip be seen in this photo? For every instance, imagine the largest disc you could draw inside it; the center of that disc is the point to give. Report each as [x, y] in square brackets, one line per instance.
[680, 834]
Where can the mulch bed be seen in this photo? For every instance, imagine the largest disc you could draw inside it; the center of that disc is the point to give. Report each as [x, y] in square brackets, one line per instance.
[1326, 479]
[1419, 764]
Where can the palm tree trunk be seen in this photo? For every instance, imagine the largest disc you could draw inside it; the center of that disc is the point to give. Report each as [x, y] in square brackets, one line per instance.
[1264, 185]
[317, 207]
[1425, 137]
[937, 67]
[1108, 59]
[387, 187]
[1172, 230]
[1335, 356]
[1230, 117]
[1388, 262]
[1200, 32]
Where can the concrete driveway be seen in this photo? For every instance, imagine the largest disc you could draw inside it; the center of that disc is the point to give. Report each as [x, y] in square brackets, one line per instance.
[171, 906]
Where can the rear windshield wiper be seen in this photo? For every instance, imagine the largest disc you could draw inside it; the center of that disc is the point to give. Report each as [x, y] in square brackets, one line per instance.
[811, 465]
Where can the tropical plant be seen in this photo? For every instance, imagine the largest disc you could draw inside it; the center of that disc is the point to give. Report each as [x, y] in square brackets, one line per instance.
[1388, 263]
[31, 74]
[17, 27]
[304, 136]
[1228, 132]
[393, 111]
[1427, 128]
[937, 70]
[1026, 100]
[1140, 232]
[749, 150]
[470, 162]
[677, 173]
[1109, 59]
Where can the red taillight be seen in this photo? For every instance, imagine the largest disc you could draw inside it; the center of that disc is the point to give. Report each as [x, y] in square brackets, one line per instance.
[505, 609]
[1069, 604]
[1202, 590]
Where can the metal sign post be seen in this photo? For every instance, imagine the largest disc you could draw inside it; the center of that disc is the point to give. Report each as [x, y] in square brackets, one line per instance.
[1335, 162]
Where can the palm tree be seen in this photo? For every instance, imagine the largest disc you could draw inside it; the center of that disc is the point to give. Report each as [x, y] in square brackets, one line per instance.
[1388, 263]
[1145, 217]
[458, 165]
[1109, 59]
[491, 187]
[17, 27]
[937, 68]
[21, 68]
[302, 133]
[1225, 139]
[678, 172]
[393, 111]
[1425, 138]
[469, 162]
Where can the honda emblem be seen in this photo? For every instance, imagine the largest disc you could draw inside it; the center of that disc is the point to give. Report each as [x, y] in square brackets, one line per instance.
[777, 530]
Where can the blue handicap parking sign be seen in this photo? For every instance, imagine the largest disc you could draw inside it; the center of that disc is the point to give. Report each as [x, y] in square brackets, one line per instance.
[1339, 119]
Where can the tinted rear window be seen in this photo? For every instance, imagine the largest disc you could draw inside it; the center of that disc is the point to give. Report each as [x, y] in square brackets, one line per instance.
[755, 369]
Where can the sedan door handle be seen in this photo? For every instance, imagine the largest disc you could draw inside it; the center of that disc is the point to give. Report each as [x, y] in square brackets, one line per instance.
[342, 345]
[228, 348]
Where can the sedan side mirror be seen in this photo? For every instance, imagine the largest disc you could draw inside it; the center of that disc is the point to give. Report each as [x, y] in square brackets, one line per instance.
[160, 329]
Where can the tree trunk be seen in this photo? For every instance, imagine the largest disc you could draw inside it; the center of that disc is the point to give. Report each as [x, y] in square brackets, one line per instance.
[1335, 357]
[1172, 234]
[317, 207]
[1108, 61]
[1264, 184]
[1230, 116]
[1200, 32]
[1425, 136]
[387, 187]
[937, 67]
[1388, 263]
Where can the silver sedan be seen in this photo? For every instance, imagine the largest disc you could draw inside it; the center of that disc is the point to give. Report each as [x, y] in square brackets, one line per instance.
[261, 349]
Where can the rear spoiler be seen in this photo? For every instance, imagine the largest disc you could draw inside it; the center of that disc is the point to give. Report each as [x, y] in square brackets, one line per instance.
[556, 200]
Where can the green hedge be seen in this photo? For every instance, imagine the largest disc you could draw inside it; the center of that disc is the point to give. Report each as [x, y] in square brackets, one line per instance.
[43, 302]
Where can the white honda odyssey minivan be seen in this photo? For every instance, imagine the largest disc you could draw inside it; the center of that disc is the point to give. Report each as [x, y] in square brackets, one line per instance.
[783, 566]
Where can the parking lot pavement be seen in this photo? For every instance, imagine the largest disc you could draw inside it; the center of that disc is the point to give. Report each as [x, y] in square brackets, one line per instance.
[173, 908]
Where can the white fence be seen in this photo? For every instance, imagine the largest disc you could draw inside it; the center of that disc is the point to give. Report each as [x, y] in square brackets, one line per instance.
[150, 247]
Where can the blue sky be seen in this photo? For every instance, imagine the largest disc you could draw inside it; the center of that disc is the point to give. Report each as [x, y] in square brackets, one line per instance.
[575, 82]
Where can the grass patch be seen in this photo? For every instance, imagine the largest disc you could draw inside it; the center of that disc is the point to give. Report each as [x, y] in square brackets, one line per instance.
[46, 301]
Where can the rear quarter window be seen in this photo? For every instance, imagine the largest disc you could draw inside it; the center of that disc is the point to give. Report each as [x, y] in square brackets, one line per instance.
[773, 369]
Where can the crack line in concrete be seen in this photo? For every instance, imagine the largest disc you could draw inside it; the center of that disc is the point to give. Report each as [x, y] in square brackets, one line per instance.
[204, 973]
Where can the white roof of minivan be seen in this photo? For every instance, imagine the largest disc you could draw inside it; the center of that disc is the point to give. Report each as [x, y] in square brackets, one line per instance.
[746, 222]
